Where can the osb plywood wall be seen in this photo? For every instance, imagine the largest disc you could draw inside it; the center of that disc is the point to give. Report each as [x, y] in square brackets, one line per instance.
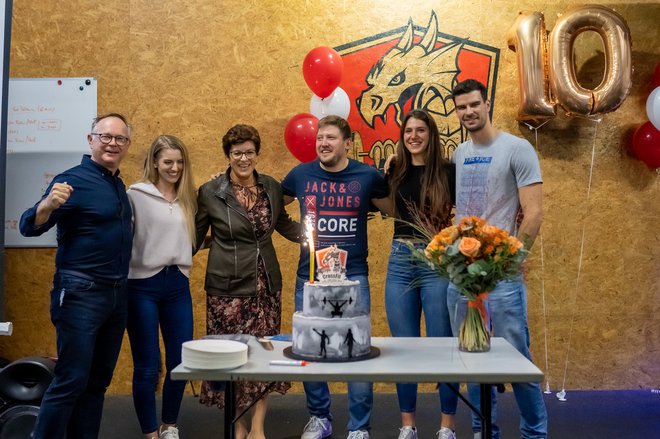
[194, 69]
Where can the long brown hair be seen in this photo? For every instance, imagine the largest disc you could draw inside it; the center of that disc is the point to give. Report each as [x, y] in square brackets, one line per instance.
[185, 188]
[435, 198]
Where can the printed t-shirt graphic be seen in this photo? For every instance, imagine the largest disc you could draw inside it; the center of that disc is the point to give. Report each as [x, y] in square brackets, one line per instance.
[337, 203]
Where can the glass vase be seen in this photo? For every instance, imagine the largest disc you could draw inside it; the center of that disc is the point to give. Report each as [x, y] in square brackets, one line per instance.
[474, 334]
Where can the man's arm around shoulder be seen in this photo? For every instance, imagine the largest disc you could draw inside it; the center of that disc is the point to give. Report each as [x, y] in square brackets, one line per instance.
[384, 205]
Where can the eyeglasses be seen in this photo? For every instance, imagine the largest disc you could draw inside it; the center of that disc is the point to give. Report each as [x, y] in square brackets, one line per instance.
[107, 138]
[236, 155]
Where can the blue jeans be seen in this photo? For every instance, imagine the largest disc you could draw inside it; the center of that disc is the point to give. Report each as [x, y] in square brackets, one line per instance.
[411, 288]
[163, 299]
[89, 318]
[507, 308]
[360, 395]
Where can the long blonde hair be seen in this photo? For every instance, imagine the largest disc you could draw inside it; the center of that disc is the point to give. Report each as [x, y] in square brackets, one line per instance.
[185, 188]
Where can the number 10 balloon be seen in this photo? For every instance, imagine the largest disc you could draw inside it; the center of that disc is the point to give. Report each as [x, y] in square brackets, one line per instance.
[547, 72]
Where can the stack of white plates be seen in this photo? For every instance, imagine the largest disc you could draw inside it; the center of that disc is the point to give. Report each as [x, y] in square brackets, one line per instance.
[208, 354]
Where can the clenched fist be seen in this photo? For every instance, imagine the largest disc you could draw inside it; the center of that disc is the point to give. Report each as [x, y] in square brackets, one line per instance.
[58, 195]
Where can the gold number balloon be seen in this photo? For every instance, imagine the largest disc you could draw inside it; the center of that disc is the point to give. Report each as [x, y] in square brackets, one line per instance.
[540, 91]
[617, 80]
[527, 37]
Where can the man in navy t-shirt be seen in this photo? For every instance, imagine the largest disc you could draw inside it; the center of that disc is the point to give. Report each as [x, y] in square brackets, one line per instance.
[334, 193]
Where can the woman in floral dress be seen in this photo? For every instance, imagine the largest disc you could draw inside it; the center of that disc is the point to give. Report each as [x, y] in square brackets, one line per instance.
[243, 281]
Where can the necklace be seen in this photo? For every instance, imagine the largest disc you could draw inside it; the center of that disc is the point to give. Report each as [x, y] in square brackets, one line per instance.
[246, 195]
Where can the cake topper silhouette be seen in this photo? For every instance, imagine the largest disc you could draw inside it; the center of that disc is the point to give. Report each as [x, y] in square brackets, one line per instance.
[324, 339]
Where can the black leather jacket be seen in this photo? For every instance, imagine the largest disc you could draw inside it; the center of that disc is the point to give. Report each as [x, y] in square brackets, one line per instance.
[231, 269]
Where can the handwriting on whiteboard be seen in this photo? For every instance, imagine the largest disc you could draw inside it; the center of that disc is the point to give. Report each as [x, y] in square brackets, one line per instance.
[29, 109]
[29, 126]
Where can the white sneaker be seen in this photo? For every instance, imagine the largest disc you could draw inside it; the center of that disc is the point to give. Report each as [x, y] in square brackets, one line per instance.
[317, 428]
[407, 432]
[477, 435]
[169, 433]
[358, 434]
[446, 433]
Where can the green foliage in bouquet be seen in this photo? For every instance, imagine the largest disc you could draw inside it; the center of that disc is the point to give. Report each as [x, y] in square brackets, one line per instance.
[473, 255]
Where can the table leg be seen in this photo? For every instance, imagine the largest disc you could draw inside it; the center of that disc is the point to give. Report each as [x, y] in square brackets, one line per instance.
[486, 413]
[230, 408]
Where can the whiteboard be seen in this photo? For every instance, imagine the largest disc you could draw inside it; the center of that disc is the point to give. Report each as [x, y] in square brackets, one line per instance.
[48, 120]
[50, 114]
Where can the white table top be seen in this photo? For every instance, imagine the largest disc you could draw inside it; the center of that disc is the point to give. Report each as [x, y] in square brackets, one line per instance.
[401, 359]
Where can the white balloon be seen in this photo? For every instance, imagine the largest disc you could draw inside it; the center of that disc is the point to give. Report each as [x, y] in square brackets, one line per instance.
[653, 108]
[337, 104]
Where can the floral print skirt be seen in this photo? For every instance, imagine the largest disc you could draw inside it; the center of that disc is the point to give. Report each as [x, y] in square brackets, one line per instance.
[258, 315]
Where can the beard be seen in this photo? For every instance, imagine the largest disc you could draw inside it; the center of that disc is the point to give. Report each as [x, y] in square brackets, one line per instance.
[333, 160]
[330, 161]
[474, 128]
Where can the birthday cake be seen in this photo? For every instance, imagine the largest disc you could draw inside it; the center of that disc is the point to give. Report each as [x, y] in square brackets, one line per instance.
[334, 324]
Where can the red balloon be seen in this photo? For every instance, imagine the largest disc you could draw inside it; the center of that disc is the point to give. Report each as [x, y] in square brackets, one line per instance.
[300, 136]
[322, 69]
[656, 77]
[646, 145]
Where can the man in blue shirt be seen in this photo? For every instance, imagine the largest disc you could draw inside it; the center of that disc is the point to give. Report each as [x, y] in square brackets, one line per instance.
[88, 203]
[334, 192]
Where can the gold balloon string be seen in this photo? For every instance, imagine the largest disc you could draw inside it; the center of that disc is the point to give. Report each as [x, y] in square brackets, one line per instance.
[597, 118]
[562, 394]
[543, 304]
[536, 129]
[545, 317]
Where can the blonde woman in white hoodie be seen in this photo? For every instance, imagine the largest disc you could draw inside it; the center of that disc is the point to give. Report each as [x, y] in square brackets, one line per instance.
[164, 205]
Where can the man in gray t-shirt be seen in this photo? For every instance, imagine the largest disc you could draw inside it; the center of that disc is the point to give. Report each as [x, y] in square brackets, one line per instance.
[490, 176]
[498, 178]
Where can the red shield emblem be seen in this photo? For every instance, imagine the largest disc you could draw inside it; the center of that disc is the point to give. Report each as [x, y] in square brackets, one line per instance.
[410, 67]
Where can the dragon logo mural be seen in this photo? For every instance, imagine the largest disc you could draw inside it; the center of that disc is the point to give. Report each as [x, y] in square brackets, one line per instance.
[418, 71]
[411, 67]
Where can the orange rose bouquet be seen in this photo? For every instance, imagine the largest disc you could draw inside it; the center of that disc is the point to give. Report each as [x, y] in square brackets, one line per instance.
[474, 256]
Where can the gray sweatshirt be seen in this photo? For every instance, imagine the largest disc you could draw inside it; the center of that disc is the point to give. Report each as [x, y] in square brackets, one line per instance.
[160, 235]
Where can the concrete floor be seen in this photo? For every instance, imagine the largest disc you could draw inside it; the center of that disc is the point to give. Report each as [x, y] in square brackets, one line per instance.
[631, 414]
